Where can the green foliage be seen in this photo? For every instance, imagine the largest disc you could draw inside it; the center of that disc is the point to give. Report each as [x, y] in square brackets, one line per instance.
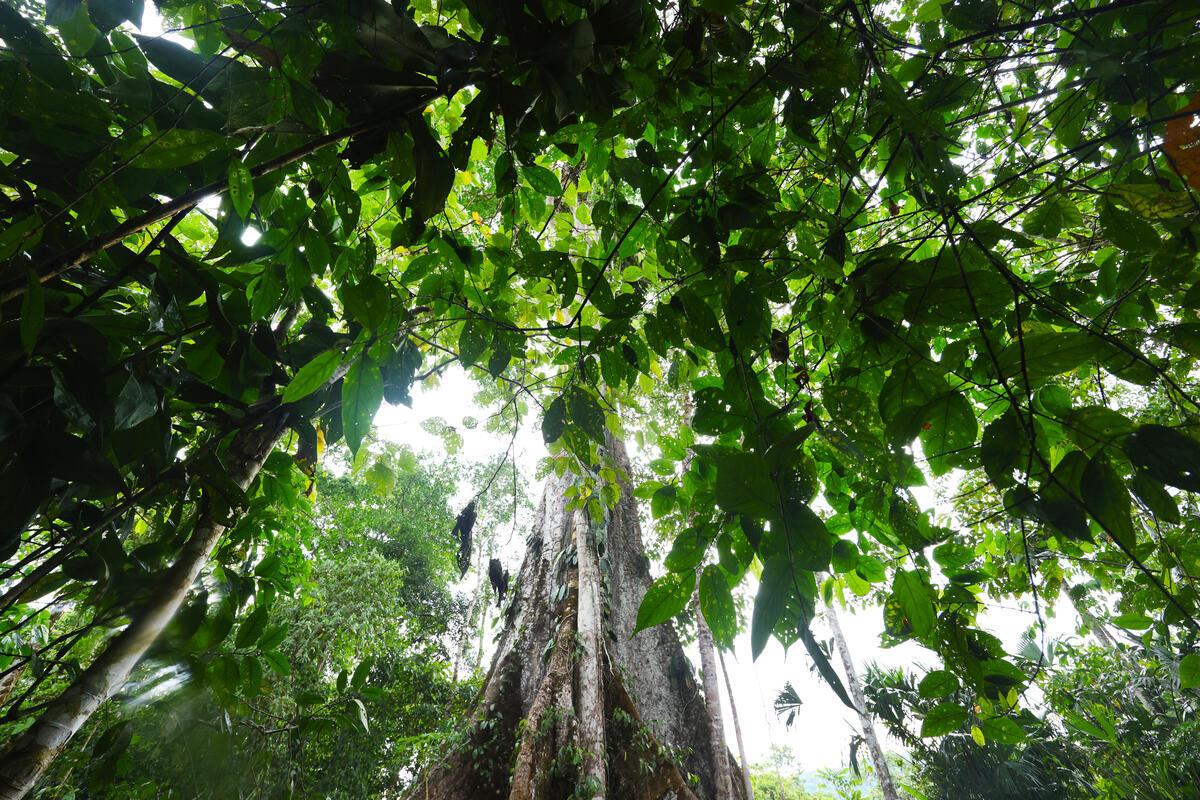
[878, 246]
[365, 691]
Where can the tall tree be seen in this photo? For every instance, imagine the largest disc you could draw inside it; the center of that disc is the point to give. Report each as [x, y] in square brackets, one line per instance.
[882, 244]
[580, 700]
[883, 772]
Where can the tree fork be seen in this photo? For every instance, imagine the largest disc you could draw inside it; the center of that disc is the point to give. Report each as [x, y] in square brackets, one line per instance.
[25, 762]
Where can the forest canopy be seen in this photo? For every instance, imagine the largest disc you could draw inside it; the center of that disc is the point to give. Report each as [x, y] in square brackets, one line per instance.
[820, 259]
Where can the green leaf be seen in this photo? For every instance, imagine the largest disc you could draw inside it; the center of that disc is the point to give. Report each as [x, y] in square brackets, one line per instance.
[911, 591]
[77, 31]
[241, 187]
[367, 302]
[666, 598]
[748, 316]
[312, 376]
[252, 628]
[136, 403]
[1044, 355]
[942, 719]
[662, 501]
[360, 714]
[473, 341]
[687, 551]
[362, 393]
[252, 675]
[844, 557]
[1166, 455]
[554, 420]
[801, 535]
[361, 672]
[774, 589]
[821, 660]
[1003, 730]
[175, 148]
[272, 637]
[1125, 230]
[1096, 427]
[1132, 621]
[716, 603]
[1107, 500]
[542, 180]
[1189, 671]
[505, 175]
[948, 428]
[939, 683]
[1052, 217]
[586, 413]
[700, 322]
[1000, 449]
[1156, 498]
[33, 313]
[434, 173]
[744, 484]
[277, 662]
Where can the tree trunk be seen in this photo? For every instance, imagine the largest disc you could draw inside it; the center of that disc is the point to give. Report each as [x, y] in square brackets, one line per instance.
[37, 747]
[712, 698]
[574, 704]
[737, 730]
[886, 787]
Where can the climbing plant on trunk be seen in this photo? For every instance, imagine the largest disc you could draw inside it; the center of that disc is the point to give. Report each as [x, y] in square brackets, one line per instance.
[577, 702]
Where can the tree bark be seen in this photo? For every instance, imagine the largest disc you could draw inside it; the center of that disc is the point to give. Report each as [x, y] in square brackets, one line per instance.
[737, 730]
[712, 699]
[38, 746]
[886, 787]
[574, 703]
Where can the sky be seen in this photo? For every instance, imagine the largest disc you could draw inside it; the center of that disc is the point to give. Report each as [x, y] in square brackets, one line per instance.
[820, 736]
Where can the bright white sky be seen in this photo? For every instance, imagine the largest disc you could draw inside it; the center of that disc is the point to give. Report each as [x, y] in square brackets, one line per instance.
[821, 735]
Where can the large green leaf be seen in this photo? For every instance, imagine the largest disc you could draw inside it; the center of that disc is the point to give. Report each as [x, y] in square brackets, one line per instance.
[362, 392]
[312, 376]
[716, 603]
[770, 604]
[942, 719]
[666, 597]
[1107, 500]
[911, 590]
[948, 428]
[1166, 455]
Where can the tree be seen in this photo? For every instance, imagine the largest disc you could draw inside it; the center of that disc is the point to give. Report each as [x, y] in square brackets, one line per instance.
[883, 245]
[584, 698]
[882, 772]
[367, 696]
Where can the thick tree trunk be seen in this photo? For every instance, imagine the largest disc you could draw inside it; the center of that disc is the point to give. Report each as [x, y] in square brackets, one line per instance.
[35, 749]
[737, 730]
[886, 787]
[574, 703]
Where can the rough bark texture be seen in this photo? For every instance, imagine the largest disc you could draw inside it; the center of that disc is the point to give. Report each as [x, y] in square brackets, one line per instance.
[712, 701]
[35, 749]
[615, 715]
[882, 773]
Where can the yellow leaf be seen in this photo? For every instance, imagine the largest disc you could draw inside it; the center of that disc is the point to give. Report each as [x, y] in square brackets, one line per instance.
[320, 442]
[977, 735]
[1153, 202]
